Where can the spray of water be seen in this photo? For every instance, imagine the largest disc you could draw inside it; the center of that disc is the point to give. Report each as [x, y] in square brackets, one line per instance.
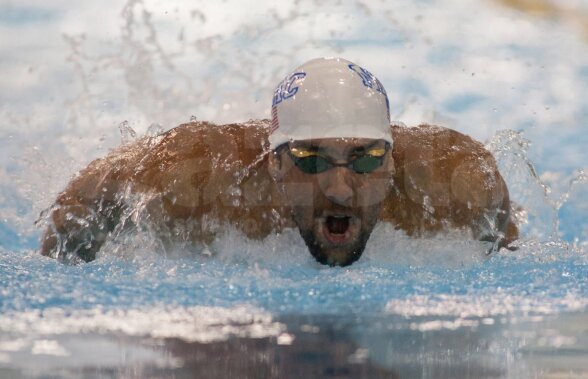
[536, 207]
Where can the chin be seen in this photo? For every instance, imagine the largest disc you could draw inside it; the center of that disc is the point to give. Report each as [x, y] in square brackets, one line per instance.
[334, 253]
[335, 256]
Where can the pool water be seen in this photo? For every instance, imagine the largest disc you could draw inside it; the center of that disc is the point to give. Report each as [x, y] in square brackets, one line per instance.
[513, 77]
[269, 310]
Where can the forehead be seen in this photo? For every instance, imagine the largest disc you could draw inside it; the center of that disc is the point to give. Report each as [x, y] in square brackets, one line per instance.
[341, 145]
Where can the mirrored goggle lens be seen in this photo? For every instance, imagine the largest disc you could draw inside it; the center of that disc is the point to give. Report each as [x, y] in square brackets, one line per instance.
[366, 163]
[316, 164]
[312, 165]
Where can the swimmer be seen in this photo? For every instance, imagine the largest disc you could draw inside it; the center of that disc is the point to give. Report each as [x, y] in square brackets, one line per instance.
[329, 163]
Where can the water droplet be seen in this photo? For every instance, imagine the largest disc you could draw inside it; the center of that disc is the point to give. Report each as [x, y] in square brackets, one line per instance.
[154, 130]
[127, 134]
[285, 339]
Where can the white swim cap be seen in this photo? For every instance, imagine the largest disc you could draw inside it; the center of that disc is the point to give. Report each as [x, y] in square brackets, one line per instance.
[329, 98]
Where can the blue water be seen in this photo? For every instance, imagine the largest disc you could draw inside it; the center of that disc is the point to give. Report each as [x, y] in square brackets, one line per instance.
[429, 308]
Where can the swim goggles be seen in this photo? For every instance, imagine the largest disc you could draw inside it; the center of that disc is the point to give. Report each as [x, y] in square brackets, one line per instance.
[312, 162]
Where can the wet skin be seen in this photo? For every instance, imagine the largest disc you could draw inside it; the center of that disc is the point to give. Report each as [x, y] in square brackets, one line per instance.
[335, 210]
[197, 178]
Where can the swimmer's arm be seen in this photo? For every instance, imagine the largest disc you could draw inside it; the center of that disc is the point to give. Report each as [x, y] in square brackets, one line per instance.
[477, 186]
[83, 215]
[92, 205]
[446, 178]
[484, 192]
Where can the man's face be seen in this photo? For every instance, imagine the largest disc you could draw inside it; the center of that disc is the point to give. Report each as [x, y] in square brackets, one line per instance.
[335, 209]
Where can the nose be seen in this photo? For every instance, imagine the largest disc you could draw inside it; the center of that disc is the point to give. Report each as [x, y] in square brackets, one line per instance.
[336, 185]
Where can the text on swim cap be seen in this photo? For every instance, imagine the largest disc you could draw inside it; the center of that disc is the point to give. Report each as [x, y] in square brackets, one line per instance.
[286, 89]
[370, 81]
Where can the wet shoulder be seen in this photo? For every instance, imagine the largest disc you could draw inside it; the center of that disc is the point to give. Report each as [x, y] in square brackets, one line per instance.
[221, 143]
[434, 142]
[206, 143]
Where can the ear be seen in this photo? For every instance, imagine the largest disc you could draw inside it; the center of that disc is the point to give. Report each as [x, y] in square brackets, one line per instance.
[275, 168]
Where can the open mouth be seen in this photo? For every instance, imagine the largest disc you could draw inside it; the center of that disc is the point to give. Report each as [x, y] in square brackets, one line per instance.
[336, 228]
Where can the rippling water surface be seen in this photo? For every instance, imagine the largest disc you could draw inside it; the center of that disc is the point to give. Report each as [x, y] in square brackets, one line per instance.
[513, 74]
